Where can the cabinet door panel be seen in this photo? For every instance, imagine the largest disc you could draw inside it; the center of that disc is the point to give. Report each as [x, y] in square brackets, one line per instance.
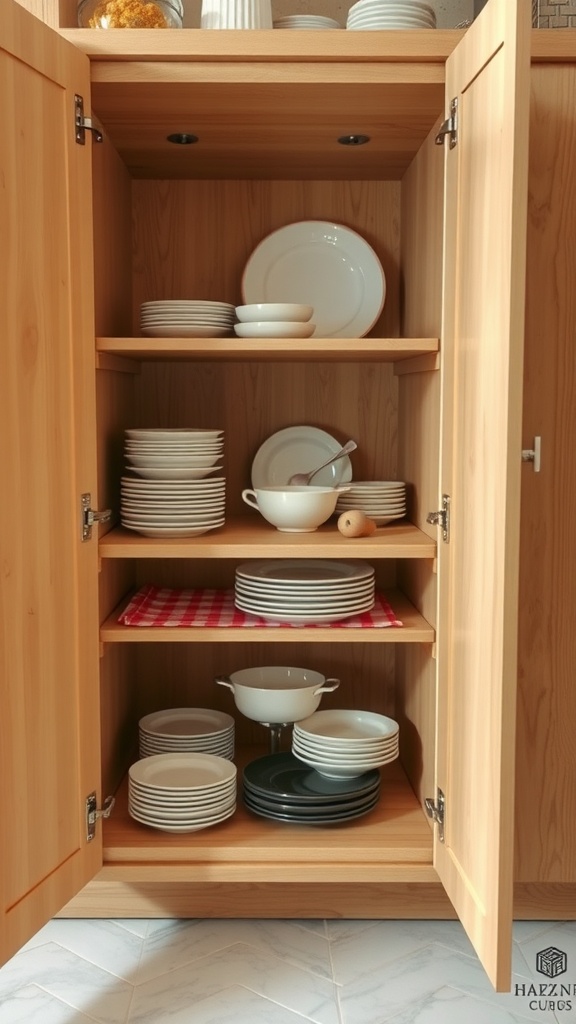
[486, 187]
[49, 750]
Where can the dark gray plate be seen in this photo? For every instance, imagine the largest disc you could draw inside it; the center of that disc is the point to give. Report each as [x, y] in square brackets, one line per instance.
[331, 817]
[284, 776]
[308, 810]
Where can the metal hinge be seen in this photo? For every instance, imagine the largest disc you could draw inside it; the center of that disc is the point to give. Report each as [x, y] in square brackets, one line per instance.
[84, 124]
[442, 518]
[449, 127]
[89, 516]
[437, 811]
[533, 454]
[93, 813]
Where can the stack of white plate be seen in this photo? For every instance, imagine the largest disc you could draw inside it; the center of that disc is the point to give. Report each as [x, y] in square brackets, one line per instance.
[182, 792]
[180, 730]
[172, 508]
[307, 591]
[386, 14]
[170, 495]
[306, 21]
[381, 500]
[345, 744]
[186, 318]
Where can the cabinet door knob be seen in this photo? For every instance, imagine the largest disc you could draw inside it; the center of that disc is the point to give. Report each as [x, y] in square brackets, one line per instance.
[533, 454]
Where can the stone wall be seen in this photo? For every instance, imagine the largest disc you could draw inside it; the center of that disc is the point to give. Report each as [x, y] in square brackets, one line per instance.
[555, 14]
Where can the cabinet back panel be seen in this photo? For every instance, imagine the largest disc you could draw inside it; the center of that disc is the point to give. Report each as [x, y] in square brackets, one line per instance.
[192, 238]
[182, 675]
[251, 401]
[112, 219]
[202, 572]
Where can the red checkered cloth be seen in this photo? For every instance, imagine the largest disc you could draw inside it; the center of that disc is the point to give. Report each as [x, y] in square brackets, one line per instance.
[156, 606]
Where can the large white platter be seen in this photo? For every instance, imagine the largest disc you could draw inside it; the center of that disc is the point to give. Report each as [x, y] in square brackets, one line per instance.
[299, 449]
[324, 265]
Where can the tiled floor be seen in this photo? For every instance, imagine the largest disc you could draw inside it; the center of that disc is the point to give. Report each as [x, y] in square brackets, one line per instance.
[277, 972]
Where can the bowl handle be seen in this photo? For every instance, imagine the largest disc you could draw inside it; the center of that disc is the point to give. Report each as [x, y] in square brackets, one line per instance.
[249, 496]
[328, 689]
[224, 681]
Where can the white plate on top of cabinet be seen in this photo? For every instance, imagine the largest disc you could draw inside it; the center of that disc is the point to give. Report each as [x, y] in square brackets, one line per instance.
[299, 450]
[324, 265]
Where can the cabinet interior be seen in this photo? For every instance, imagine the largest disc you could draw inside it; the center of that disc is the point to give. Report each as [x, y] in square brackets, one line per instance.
[162, 236]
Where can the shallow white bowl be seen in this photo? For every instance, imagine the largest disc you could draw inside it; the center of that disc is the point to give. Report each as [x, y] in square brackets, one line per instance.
[275, 329]
[257, 311]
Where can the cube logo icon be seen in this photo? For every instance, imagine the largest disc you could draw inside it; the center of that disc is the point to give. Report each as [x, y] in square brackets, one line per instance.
[551, 962]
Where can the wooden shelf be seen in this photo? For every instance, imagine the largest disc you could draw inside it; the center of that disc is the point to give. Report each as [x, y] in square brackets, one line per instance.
[265, 106]
[391, 843]
[415, 630]
[246, 538]
[269, 350]
[197, 46]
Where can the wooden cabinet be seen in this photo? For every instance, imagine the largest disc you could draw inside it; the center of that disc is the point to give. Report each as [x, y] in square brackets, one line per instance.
[433, 395]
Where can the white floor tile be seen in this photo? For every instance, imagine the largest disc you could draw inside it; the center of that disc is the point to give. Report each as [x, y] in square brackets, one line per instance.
[102, 943]
[186, 941]
[380, 994]
[243, 965]
[523, 931]
[135, 925]
[368, 948]
[448, 1006]
[31, 1005]
[169, 971]
[69, 978]
[233, 1005]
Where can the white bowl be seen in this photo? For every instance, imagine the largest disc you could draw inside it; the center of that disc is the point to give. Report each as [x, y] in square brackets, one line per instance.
[276, 693]
[275, 329]
[293, 509]
[268, 311]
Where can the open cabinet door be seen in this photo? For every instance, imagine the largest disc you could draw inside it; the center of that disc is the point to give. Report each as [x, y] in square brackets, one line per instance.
[49, 725]
[483, 309]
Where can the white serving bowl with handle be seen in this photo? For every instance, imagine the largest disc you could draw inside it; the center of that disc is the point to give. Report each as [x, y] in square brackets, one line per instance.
[277, 693]
[294, 509]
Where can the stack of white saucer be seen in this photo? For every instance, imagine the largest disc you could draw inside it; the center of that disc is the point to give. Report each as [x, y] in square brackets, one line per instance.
[390, 14]
[381, 500]
[306, 21]
[186, 318]
[177, 730]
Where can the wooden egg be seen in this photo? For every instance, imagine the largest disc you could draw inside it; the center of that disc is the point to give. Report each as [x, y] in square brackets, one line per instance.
[355, 523]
